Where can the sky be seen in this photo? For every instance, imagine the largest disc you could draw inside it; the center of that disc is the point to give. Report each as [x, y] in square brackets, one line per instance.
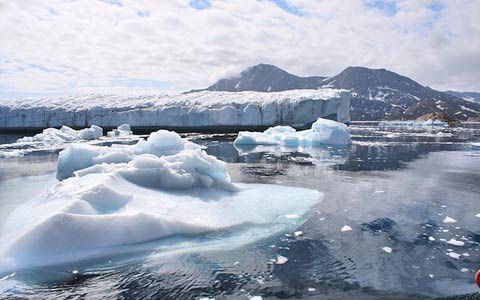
[59, 47]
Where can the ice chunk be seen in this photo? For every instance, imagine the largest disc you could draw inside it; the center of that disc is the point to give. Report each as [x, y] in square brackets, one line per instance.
[323, 132]
[454, 255]
[449, 220]
[64, 134]
[281, 260]
[455, 242]
[80, 156]
[346, 228]
[163, 187]
[122, 130]
[387, 249]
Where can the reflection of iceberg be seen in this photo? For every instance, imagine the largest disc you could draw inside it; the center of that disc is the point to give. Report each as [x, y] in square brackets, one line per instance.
[160, 188]
[323, 132]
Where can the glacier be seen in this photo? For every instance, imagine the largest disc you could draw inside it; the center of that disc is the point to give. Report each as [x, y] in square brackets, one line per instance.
[201, 109]
[323, 132]
[113, 199]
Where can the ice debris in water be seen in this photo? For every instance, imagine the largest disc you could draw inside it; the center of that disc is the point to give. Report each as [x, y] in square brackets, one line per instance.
[124, 195]
[346, 228]
[298, 233]
[455, 242]
[323, 132]
[387, 249]
[454, 255]
[64, 134]
[477, 215]
[281, 260]
[431, 238]
[256, 298]
[449, 220]
[122, 130]
[464, 270]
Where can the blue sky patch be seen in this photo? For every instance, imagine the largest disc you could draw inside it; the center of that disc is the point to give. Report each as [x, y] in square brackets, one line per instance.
[200, 4]
[388, 7]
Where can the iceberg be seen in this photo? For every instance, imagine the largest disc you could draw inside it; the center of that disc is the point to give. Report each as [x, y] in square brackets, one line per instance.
[204, 109]
[113, 199]
[323, 132]
[64, 134]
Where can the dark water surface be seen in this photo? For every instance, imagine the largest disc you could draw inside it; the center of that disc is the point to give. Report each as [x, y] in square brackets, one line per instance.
[393, 187]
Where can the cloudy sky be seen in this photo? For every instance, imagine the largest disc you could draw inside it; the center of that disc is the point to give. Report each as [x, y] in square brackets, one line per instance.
[131, 46]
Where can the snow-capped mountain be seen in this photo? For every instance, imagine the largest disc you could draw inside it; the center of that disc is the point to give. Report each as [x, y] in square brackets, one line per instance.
[266, 78]
[468, 96]
[378, 93]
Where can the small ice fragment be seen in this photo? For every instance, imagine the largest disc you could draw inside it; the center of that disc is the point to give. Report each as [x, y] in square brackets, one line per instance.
[416, 267]
[379, 192]
[431, 238]
[311, 290]
[236, 263]
[75, 272]
[256, 298]
[206, 298]
[431, 275]
[477, 215]
[444, 206]
[346, 228]
[455, 242]
[298, 233]
[464, 270]
[443, 240]
[387, 249]
[445, 230]
[454, 255]
[449, 220]
[281, 260]
[292, 216]
[465, 254]
[322, 219]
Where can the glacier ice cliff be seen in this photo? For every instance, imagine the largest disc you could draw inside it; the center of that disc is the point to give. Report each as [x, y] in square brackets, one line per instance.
[200, 109]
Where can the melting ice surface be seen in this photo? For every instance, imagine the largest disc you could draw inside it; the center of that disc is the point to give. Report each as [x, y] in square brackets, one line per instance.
[113, 199]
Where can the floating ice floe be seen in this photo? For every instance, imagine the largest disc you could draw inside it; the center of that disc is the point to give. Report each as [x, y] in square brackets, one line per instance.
[64, 134]
[323, 132]
[115, 199]
[346, 228]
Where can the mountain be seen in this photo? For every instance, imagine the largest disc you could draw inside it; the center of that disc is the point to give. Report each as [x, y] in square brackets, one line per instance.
[468, 96]
[382, 94]
[377, 93]
[265, 78]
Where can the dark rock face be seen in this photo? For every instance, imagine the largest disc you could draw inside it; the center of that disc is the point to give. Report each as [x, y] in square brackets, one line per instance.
[378, 94]
[266, 78]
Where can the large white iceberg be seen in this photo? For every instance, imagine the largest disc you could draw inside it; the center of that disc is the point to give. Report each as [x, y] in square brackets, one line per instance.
[200, 109]
[120, 197]
[323, 132]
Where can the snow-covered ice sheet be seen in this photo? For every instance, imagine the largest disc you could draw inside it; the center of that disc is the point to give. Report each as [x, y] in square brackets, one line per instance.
[323, 132]
[159, 188]
[296, 107]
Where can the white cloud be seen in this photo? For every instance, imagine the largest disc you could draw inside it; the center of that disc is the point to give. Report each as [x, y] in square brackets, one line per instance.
[71, 46]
